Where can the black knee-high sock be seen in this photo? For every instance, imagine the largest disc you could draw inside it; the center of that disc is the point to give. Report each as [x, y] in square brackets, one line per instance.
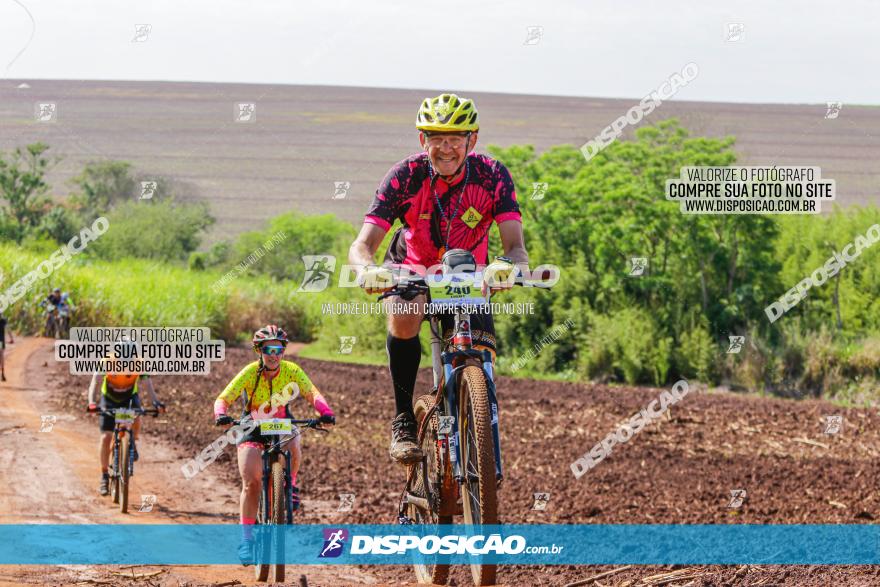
[404, 356]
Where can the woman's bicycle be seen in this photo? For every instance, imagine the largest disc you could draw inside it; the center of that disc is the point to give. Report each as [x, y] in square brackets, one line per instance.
[122, 458]
[276, 495]
[457, 421]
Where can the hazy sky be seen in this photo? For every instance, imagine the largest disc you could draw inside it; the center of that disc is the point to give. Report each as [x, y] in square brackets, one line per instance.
[794, 51]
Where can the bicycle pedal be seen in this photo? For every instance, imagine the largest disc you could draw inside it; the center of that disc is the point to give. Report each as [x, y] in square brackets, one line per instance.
[404, 520]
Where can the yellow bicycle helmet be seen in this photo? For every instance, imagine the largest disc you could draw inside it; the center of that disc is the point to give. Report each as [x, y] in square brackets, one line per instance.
[447, 113]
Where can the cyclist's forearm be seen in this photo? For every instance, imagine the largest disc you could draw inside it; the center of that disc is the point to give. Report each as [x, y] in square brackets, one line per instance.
[360, 255]
[220, 408]
[148, 385]
[93, 385]
[321, 406]
[318, 402]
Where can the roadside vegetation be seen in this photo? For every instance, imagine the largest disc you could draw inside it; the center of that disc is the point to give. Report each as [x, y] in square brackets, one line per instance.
[707, 277]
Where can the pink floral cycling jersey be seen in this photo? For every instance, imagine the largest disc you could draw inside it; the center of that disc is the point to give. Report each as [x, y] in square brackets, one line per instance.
[407, 194]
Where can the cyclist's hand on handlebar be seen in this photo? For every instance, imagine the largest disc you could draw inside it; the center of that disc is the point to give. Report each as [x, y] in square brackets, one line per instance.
[498, 275]
[93, 409]
[222, 420]
[327, 421]
[159, 406]
[376, 279]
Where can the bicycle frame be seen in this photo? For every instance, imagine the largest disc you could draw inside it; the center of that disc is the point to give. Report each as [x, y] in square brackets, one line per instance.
[274, 450]
[446, 366]
[119, 430]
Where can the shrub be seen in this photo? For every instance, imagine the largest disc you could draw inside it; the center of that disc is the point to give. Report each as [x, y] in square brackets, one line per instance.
[626, 345]
[697, 352]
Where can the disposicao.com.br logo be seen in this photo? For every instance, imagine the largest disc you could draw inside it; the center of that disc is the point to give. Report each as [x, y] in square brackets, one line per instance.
[334, 542]
[474, 545]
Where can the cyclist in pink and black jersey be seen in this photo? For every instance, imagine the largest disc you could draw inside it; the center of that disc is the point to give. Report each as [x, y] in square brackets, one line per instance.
[446, 197]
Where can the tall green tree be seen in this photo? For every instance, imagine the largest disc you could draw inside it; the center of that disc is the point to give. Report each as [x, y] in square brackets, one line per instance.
[596, 216]
[163, 230]
[100, 186]
[23, 188]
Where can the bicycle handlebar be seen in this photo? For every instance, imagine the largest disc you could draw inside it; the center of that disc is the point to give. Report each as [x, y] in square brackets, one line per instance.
[417, 285]
[313, 423]
[140, 411]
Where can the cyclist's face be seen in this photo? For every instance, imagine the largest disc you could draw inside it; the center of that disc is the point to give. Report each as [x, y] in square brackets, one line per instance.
[447, 150]
[270, 361]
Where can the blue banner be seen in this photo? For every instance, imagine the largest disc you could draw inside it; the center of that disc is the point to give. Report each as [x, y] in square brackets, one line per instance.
[180, 544]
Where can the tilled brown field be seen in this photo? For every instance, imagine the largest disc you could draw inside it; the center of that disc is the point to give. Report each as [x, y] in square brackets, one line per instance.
[306, 138]
[678, 470]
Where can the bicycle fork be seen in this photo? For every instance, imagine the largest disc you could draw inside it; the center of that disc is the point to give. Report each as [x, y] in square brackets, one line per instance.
[288, 489]
[493, 409]
[115, 453]
[451, 402]
[131, 449]
[267, 507]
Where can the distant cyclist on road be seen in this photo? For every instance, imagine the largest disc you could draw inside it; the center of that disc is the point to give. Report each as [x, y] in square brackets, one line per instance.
[446, 197]
[53, 300]
[3, 345]
[267, 386]
[58, 303]
[118, 390]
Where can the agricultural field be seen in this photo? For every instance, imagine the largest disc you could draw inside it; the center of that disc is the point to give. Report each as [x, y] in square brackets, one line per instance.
[303, 139]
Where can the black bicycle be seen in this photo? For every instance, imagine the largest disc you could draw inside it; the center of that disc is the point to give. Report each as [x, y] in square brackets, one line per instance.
[276, 495]
[122, 462]
[457, 421]
[50, 329]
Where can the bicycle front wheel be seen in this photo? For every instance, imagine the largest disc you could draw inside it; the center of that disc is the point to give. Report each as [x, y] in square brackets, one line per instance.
[278, 514]
[114, 475]
[427, 484]
[479, 496]
[124, 457]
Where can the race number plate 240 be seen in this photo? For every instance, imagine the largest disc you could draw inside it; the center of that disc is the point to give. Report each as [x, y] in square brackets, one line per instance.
[456, 289]
[275, 426]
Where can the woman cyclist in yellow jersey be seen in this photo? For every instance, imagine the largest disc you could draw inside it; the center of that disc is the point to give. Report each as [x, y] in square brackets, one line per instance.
[266, 386]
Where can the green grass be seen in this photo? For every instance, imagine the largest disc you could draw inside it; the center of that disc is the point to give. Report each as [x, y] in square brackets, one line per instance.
[370, 357]
[136, 292]
[313, 351]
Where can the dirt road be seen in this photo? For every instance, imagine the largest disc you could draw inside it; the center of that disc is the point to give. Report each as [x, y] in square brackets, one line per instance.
[51, 476]
[678, 470]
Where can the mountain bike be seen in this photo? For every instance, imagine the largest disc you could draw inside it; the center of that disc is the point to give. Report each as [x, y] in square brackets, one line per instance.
[457, 421]
[51, 327]
[62, 323]
[122, 462]
[276, 495]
